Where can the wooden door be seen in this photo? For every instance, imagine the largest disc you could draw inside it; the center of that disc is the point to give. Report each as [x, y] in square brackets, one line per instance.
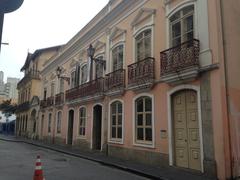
[186, 130]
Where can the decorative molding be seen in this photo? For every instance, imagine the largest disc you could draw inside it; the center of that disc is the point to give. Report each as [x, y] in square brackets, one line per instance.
[116, 32]
[45, 80]
[79, 41]
[73, 63]
[53, 76]
[143, 14]
[99, 44]
[35, 101]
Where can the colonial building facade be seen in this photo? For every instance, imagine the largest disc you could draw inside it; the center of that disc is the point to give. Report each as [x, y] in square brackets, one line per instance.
[150, 88]
[29, 92]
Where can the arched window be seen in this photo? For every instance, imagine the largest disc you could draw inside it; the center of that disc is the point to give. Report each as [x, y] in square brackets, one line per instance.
[84, 74]
[73, 77]
[182, 26]
[143, 44]
[116, 120]
[82, 121]
[143, 120]
[99, 68]
[61, 85]
[59, 121]
[117, 57]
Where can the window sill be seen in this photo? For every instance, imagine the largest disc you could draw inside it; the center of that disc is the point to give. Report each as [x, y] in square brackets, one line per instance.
[115, 141]
[145, 145]
[81, 137]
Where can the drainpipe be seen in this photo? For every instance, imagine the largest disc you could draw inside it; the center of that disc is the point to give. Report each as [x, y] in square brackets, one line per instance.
[227, 87]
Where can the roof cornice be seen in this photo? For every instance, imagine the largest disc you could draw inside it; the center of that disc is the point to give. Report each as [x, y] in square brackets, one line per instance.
[100, 27]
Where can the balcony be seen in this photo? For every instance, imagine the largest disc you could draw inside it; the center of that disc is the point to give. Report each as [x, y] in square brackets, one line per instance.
[141, 74]
[29, 76]
[23, 107]
[59, 99]
[88, 91]
[115, 82]
[180, 63]
[50, 101]
[43, 104]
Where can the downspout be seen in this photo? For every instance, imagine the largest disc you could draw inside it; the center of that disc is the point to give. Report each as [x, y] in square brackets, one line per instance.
[227, 87]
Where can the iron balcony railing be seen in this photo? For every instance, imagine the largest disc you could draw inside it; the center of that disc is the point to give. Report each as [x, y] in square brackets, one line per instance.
[141, 71]
[183, 56]
[33, 74]
[115, 80]
[43, 103]
[92, 88]
[23, 107]
[50, 101]
[59, 99]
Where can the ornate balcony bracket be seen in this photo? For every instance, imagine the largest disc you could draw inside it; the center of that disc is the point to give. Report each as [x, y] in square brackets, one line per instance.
[180, 64]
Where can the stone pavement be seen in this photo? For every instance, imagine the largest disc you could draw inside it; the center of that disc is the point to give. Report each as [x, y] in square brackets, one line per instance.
[152, 172]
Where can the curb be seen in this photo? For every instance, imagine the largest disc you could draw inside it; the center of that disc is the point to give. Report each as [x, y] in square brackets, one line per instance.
[131, 170]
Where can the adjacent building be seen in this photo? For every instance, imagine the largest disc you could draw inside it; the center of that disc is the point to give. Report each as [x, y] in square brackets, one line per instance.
[29, 91]
[8, 90]
[154, 81]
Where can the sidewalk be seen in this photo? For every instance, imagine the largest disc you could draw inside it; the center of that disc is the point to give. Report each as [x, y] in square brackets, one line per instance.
[147, 171]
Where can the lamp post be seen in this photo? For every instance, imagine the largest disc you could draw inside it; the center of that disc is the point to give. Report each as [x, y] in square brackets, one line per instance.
[90, 53]
[59, 71]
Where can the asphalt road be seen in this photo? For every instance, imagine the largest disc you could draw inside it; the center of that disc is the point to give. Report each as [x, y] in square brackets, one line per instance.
[17, 162]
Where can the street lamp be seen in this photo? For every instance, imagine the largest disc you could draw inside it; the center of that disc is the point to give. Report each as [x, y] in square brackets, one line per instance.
[90, 53]
[59, 71]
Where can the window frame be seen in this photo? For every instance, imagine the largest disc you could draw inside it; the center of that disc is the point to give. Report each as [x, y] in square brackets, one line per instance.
[114, 140]
[117, 125]
[181, 21]
[72, 79]
[79, 122]
[147, 144]
[97, 64]
[81, 73]
[59, 125]
[112, 59]
[138, 33]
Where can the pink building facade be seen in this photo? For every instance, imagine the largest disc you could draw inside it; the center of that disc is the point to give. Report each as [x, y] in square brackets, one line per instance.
[161, 87]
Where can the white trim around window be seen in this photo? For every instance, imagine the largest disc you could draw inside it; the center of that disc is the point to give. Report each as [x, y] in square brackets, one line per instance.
[81, 66]
[151, 27]
[112, 48]
[110, 140]
[78, 123]
[174, 10]
[56, 125]
[152, 145]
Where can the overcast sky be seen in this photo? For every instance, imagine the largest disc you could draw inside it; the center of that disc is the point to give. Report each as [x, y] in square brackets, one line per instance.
[42, 23]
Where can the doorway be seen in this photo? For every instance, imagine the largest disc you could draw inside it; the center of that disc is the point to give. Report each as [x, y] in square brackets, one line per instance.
[186, 137]
[70, 127]
[97, 127]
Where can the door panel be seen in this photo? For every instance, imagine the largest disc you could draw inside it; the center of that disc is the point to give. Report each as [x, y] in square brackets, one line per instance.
[186, 130]
[180, 126]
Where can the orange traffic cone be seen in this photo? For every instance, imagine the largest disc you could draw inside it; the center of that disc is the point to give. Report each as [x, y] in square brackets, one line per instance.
[38, 174]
